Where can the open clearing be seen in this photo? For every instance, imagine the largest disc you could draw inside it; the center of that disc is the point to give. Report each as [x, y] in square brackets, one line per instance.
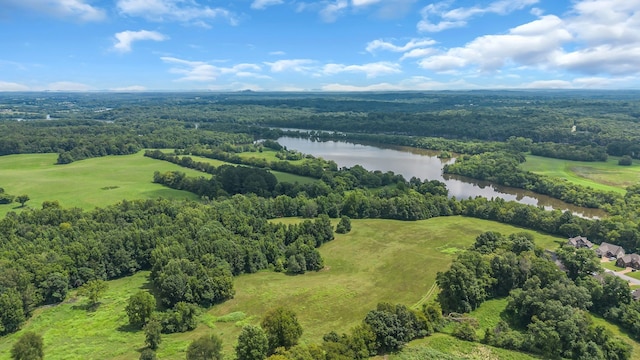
[608, 176]
[380, 260]
[95, 182]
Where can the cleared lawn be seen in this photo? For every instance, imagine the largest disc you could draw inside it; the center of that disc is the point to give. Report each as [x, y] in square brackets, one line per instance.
[608, 176]
[380, 260]
[87, 183]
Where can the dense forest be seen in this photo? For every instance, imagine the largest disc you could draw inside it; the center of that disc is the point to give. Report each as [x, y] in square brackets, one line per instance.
[194, 249]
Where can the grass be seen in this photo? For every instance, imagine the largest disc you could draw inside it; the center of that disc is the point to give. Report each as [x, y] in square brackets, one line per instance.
[86, 184]
[607, 176]
[267, 154]
[281, 176]
[467, 350]
[379, 260]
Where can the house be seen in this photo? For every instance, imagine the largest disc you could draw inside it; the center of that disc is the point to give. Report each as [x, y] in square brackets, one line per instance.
[580, 242]
[610, 250]
[635, 294]
[631, 260]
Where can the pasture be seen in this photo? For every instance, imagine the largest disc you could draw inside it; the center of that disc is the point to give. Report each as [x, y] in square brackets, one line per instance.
[378, 261]
[607, 176]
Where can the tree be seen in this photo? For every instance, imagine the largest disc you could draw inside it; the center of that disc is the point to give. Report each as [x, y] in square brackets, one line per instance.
[579, 262]
[93, 289]
[28, 347]
[11, 311]
[344, 226]
[252, 344]
[282, 328]
[206, 347]
[625, 161]
[148, 354]
[22, 199]
[140, 308]
[152, 333]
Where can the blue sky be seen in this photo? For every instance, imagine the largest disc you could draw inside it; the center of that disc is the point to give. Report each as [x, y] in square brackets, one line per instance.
[329, 45]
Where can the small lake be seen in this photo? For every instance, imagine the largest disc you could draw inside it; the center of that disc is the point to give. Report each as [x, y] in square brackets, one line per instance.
[424, 164]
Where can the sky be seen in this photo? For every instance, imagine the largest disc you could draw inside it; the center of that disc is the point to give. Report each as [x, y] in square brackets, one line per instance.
[326, 45]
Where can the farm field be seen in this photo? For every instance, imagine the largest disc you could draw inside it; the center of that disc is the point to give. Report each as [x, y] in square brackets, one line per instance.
[608, 176]
[87, 183]
[95, 182]
[379, 260]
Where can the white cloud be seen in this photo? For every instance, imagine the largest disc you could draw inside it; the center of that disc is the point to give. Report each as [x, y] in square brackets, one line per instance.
[357, 3]
[263, 4]
[298, 65]
[277, 53]
[201, 71]
[447, 19]
[595, 37]
[380, 44]
[68, 86]
[332, 10]
[530, 44]
[174, 10]
[76, 9]
[130, 88]
[412, 83]
[11, 86]
[126, 38]
[371, 70]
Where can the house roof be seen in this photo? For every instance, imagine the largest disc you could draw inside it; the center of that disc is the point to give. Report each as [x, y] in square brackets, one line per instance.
[606, 248]
[580, 241]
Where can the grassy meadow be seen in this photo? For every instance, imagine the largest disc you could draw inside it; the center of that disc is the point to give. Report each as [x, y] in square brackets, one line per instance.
[608, 176]
[379, 260]
[87, 183]
[95, 182]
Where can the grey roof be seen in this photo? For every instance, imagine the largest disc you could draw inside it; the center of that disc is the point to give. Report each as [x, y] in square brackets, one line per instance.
[605, 249]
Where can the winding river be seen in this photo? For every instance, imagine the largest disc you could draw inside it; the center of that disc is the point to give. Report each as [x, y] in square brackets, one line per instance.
[424, 164]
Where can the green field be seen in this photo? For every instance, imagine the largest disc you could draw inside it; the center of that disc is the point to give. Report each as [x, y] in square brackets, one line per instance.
[380, 260]
[267, 154]
[281, 176]
[88, 183]
[608, 176]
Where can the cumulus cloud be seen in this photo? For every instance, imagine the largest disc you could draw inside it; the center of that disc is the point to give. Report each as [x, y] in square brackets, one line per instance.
[595, 37]
[200, 71]
[409, 84]
[125, 39]
[75, 9]
[174, 10]
[446, 18]
[332, 10]
[11, 86]
[263, 4]
[371, 70]
[297, 65]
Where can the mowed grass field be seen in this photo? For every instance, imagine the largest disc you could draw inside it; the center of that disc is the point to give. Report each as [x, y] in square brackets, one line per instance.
[87, 183]
[95, 182]
[379, 260]
[608, 176]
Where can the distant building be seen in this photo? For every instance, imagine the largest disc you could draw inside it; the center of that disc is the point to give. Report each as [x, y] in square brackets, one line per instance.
[631, 260]
[610, 250]
[580, 242]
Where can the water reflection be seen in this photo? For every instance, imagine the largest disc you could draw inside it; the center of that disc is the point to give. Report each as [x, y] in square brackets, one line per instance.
[424, 164]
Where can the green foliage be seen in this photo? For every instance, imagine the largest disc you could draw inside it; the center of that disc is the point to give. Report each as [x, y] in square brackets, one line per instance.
[344, 225]
[282, 328]
[28, 347]
[252, 344]
[148, 354]
[579, 262]
[152, 330]
[11, 311]
[181, 318]
[394, 326]
[466, 284]
[22, 199]
[139, 308]
[93, 290]
[625, 161]
[206, 347]
[465, 330]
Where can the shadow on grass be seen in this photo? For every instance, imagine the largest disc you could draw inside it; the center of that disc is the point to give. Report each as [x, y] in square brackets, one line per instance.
[128, 328]
[153, 290]
[87, 307]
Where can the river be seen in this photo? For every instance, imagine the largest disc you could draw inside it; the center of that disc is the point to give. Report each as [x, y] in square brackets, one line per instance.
[424, 164]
